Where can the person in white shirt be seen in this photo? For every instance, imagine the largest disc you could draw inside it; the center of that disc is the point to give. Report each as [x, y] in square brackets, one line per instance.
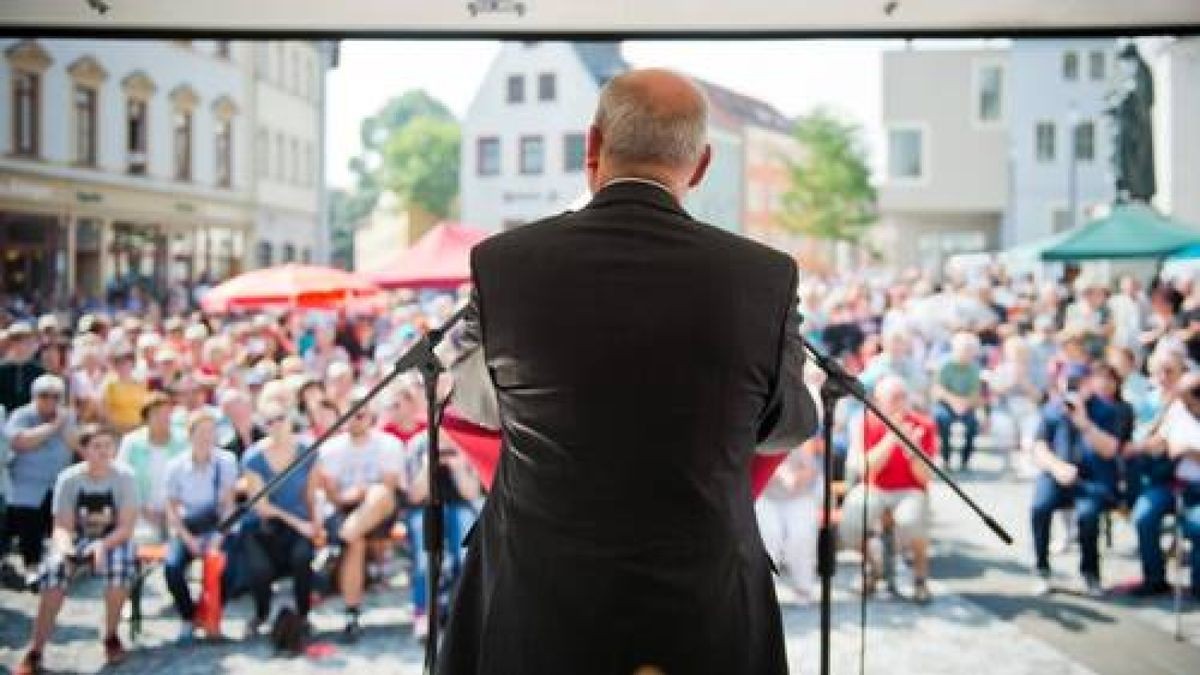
[359, 472]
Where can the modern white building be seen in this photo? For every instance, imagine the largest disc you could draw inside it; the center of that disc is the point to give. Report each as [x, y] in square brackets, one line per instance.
[1059, 137]
[133, 162]
[946, 182]
[1175, 63]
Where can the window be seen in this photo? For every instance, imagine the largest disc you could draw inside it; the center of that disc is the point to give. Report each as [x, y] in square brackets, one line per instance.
[573, 152]
[1044, 141]
[262, 152]
[306, 255]
[309, 168]
[289, 253]
[989, 93]
[546, 87]
[1085, 141]
[295, 165]
[265, 254]
[532, 155]
[487, 156]
[222, 49]
[26, 113]
[224, 153]
[280, 159]
[516, 89]
[1096, 66]
[1060, 220]
[136, 135]
[1070, 66]
[182, 126]
[295, 72]
[906, 159]
[85, 125]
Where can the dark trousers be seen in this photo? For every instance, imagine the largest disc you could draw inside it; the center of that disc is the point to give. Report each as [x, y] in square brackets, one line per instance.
[945, 417]
[175, 570]
[1151, 507]
[275, 552]
[31, 525]
[1090, 501]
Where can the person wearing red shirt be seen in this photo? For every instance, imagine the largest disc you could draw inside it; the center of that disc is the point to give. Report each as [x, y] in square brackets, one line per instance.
[404, 410]
[897, 481]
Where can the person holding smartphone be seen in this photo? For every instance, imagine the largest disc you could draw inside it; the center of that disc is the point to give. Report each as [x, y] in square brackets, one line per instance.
[1076, 448]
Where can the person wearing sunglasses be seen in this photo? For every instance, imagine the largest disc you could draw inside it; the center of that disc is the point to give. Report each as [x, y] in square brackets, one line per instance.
[359, 473]
[283, 528]
[42, 437]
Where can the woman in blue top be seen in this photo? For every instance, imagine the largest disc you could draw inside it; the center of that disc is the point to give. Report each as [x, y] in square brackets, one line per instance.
[285, 526]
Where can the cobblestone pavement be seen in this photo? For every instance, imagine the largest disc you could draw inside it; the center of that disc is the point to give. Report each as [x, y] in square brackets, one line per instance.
[981, 620]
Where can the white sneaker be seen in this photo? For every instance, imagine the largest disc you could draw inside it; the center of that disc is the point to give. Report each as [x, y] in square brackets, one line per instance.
[1041, 586]
[420, 627]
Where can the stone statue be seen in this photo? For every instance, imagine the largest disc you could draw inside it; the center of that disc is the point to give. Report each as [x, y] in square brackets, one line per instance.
[1133, 150]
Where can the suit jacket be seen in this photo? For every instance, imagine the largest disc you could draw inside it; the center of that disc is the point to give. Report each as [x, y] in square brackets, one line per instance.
[638, 359]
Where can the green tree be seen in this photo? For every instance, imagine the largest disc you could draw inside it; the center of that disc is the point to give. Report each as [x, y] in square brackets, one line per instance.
[831, 196]
[420, 164]
[376, 131]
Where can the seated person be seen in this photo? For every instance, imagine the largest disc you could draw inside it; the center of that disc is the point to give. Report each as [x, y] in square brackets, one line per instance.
[147, 450]
[1177, 439]
[1076, 450]
[359, 472]
[95, 507]
[42, 434]
[957, 393]
[459, 487]
[897, 481]
[199, 493]
[284, 527]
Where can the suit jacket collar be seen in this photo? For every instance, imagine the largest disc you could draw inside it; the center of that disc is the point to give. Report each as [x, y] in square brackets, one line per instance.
[637, 191]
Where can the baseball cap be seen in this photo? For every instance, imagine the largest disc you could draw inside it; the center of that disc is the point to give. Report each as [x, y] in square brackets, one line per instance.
[48, 384]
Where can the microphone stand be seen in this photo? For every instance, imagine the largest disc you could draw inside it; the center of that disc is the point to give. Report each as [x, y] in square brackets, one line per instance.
[421, 357]
[841, 383]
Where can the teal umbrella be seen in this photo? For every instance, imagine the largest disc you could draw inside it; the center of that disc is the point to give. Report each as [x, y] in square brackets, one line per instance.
[1131, 230]
[1189, 253]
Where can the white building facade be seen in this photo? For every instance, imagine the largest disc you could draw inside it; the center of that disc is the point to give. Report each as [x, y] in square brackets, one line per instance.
[946, 183]
[524, 134]
[1060, 139]
[288, 100]
[132, 164]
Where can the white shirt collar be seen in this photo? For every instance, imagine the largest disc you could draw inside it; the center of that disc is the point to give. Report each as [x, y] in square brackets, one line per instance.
[635, 179]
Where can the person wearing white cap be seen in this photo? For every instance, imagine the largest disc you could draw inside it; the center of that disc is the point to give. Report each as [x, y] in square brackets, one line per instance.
[41, 434]
[1091, 314]
[20, 367]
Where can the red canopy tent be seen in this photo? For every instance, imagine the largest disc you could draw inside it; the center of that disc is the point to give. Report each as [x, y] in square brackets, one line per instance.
[290, 286]
[439, 259]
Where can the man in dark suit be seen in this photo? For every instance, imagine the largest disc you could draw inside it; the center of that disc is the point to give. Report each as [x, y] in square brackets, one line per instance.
[634, 360]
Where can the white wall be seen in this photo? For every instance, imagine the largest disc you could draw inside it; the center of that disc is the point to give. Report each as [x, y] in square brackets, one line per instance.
[1039, 92]
[488, 201]
[964, 162]
[168, 65]
[1176, 67]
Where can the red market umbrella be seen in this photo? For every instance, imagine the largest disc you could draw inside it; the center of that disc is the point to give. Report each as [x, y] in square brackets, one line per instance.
[482, 447]
[291, 286]
[439, 259]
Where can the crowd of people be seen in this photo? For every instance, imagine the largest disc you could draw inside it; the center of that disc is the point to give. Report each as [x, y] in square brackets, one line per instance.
[1088, 389]
[122, 431]
[122, 428]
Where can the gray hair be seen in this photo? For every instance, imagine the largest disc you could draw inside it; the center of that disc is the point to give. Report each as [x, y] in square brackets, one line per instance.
[638, 129]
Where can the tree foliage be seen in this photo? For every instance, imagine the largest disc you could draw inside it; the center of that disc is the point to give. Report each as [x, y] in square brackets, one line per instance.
[831, 196]
[411, 147]
[420, 163]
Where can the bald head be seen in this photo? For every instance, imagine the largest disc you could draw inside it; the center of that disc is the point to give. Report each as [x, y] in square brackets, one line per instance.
[653, 119]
